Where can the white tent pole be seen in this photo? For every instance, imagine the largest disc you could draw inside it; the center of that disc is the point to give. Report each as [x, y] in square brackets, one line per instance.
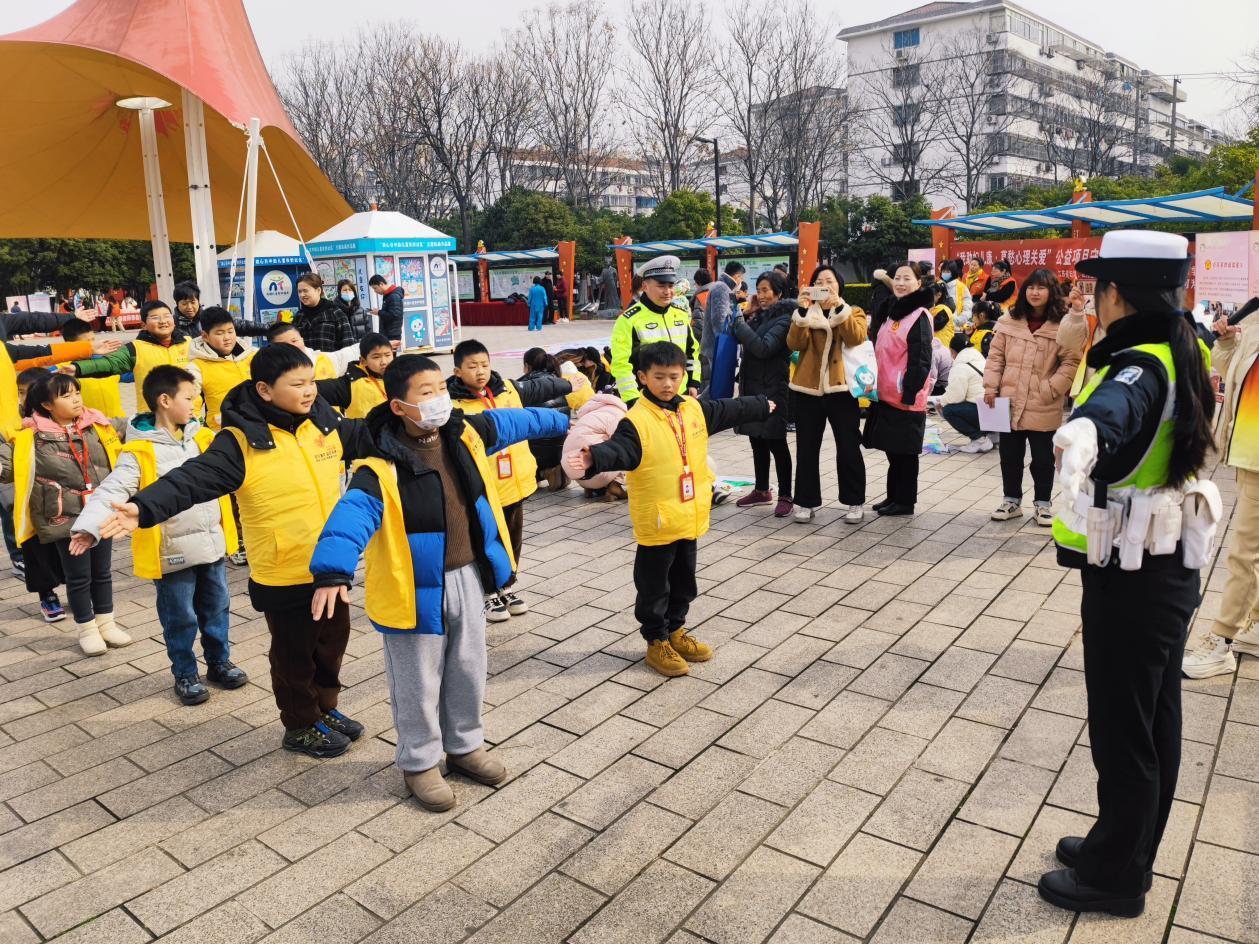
[199, 202]
[251, 215]
[162, 269]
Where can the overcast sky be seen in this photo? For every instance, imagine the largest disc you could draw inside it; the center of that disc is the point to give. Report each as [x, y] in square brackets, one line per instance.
[1164, 36]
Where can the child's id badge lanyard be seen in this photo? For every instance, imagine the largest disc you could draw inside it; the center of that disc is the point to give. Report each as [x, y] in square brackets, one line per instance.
[686, 481]
[504, 457]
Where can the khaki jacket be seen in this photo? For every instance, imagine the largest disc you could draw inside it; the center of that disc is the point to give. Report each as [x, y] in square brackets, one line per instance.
[820, 339]
[1034, 371]
[1233, 358]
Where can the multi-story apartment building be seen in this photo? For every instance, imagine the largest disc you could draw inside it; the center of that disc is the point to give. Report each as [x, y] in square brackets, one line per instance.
[625, 185]
[1052, 105]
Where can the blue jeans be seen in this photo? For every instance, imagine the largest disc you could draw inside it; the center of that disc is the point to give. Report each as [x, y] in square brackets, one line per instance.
[963, 417]
[192, 599]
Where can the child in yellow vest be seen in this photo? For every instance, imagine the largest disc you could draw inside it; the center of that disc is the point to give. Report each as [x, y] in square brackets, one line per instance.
[159, 342]
[328, 364]
[474, 388]
[663, 444]
[426, 512]
[62, 454]
[99, 393]
[218, 361]
[281, 450]
[362, 387]
[184, 557]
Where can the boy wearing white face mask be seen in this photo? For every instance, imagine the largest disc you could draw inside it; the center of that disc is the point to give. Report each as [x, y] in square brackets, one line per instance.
[425, 511]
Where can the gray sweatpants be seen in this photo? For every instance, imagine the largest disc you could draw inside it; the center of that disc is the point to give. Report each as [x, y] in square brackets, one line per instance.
[436, 683]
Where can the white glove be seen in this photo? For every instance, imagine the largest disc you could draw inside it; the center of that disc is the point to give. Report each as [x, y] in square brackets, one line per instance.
[1078, 442]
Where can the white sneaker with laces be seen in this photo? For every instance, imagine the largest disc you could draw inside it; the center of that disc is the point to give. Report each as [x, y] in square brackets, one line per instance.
[853, 514]
[802, 515]
[1006, 510]
[1212, 656]
[1045, 515]
[1247, 641]
[983, 444]
[496, 609]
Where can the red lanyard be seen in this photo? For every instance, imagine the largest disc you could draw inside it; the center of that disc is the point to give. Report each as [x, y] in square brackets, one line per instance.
[484, 394]
[679, 433]
[84, 461]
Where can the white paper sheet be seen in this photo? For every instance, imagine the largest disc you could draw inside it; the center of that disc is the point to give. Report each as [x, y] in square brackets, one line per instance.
[995, 418]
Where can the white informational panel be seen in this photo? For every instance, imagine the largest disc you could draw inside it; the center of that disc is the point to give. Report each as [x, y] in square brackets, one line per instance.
[504, 282]
[467, 284]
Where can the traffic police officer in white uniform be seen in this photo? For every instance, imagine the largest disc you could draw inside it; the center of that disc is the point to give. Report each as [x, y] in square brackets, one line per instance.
[1138, 524]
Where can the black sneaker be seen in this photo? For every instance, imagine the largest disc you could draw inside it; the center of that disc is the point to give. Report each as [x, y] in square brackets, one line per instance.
[18, 566]
[316, 741]
[339, 722]
[191, 690]
[225, 675]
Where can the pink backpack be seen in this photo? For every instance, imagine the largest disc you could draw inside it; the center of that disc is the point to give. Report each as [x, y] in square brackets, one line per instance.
[891, 352]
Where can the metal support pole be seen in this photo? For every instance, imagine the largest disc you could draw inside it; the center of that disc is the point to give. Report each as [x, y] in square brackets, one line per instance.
[163, 271]
[717, 182]
[251, 216]
[1175, 88]
[200, 206]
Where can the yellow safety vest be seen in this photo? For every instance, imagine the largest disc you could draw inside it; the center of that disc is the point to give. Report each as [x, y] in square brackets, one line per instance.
[286, 497]
[24, 473]
[390, 579]
[977, 338]
[150, 355]
[104, 394]
[656, 508]
[514, 470]
[10, 413]
[218, 378]
[366, 393]
[324, 368]
[146, 543]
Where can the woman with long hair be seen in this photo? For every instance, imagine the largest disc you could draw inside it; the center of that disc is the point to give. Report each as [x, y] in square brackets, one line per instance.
[1029, 364]
[763, 369]
[1139, 525]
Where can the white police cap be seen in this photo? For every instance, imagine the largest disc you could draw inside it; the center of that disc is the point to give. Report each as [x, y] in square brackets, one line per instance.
[1140, 257]
[662, 269]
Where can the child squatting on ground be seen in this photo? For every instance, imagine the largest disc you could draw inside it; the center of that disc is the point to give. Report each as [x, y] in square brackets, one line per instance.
[185, 557]
[663, 444]
[424, 510]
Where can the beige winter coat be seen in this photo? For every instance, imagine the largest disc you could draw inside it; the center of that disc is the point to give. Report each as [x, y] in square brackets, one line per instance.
[1233, 358]
[820, 339]
[1034, 371]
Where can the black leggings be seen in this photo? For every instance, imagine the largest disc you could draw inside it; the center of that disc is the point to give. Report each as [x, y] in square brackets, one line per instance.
[89, 582]
[762, 449]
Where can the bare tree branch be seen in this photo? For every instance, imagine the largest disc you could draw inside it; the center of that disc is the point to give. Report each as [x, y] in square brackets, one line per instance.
[746, 78]
[973, 132]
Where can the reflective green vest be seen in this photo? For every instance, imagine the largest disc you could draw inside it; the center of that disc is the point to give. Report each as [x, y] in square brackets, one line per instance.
[1150, 472]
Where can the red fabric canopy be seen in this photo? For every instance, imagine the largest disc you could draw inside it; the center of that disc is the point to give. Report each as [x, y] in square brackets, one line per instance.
[71, 158]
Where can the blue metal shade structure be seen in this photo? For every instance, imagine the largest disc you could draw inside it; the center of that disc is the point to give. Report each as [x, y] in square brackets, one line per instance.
[1201, 206]
[763, 241]
[515, 255]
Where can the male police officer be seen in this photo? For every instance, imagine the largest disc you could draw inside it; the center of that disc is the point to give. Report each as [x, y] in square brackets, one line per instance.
[654, 317]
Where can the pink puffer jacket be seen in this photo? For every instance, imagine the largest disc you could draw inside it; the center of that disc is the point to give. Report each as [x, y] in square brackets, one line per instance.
[1034, 370]
[594, 424]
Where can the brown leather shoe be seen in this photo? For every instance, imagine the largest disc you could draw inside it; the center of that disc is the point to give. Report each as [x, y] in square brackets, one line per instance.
[480, 765]
[430, 789]
[616, 492]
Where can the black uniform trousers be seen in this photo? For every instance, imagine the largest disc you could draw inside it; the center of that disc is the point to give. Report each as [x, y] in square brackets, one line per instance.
[1135, 624]
[664, 576]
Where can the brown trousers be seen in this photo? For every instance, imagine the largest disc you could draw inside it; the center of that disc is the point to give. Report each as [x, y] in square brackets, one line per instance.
[306, 659]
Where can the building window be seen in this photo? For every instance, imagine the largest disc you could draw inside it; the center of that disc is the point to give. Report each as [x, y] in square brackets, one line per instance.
[904, 190]
[906, 76]
[997, 182]
[905, 113]
[903, 39]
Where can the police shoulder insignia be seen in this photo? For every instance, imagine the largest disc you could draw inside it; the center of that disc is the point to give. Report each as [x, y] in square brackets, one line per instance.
[1129, 375]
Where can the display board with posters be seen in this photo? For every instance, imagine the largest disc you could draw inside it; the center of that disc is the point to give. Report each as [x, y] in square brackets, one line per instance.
[517, 281]
[274, 288]
[1226, 267]
[467, 284]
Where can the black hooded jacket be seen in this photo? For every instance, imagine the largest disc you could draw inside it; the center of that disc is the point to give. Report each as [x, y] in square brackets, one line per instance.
[534, 390]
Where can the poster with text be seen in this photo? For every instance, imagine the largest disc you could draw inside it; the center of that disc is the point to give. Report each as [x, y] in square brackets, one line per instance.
[504, 282]
[1222, 263]
[467, 284]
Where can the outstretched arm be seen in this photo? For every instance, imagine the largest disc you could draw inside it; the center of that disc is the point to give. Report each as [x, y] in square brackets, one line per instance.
[354, 519]
[725, 414]
[499, 429]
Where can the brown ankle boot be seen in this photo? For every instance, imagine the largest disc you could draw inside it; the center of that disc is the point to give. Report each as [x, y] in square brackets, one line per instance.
[430, 789]
[480, 765]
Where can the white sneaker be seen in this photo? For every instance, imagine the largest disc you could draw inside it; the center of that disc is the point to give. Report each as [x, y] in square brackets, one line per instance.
[1007, 510]
[802, 515]
[1211, 657]
[1045, 515]
[982, 444]
[722, 490]
[853, 514]
[1247, 641]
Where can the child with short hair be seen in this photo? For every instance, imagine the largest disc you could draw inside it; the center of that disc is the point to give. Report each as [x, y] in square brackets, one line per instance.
[328, 364]
[425, 509]
[475, 387]
[185, 556]
[663, 444]
[61, 455]
[217, 360]
[281, 451]
[361, 388]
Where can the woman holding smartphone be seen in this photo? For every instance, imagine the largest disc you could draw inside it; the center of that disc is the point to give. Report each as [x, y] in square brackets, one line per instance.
[820, 329]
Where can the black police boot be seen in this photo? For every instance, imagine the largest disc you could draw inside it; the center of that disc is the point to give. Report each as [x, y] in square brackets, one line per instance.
[1068, 853]
[1063, 888]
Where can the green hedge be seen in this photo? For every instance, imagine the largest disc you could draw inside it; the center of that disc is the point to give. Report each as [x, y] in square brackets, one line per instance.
[858, 294]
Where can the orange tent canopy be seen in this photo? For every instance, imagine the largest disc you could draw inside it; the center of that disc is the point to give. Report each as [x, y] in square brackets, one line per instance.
[70, 161]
